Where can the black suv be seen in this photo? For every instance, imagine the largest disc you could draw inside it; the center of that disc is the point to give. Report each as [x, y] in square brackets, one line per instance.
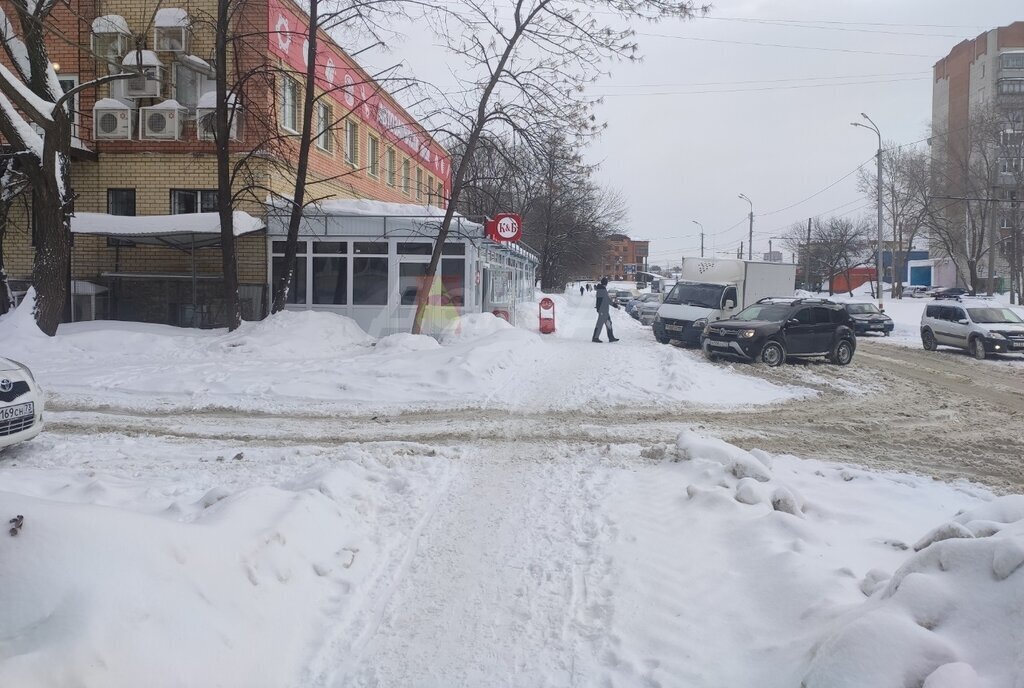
[773, 329]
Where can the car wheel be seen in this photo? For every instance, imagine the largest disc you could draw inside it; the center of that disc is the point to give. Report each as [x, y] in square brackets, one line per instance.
[773, 354]
[978, 348]
[663, 340]
[711, 356]
[843, 353]
[928, 341]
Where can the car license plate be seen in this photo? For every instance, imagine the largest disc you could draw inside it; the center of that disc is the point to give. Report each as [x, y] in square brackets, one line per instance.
[712, 342]
[19, 411]
[674, 328]
[1017, 345]
[878, 327]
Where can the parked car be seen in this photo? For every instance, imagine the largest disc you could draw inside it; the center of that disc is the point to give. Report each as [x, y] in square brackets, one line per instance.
[648, 310]
[21, 404]
[980, 326]
[775, 329]
[867, 318]
[949, 292]
[917, 292]
[622, 296]
[633, 307]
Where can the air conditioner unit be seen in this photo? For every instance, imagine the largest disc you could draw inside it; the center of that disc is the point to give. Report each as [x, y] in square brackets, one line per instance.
[161, 123]
[145, 84]
[171, 39]
[112, 123]
[205, 124]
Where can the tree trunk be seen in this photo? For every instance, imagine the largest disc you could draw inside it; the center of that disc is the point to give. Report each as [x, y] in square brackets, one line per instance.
[53, 256]
[302, 164]
[6, 302]
[229, 259]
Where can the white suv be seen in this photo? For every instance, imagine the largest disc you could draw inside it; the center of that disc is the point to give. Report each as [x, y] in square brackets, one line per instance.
[980, 326]
[21, 404]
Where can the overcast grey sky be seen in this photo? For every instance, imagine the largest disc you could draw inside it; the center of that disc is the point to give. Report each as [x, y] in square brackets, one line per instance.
[707, 115]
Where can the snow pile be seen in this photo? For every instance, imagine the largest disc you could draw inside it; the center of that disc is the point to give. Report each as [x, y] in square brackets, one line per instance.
[218, 587]
[748, 561]
[950, 616]
[474, 327]
[404, 342]
[291, 334]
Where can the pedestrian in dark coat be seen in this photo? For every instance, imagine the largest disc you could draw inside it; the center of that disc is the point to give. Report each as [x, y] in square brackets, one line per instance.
[581, 290]
[603, 317]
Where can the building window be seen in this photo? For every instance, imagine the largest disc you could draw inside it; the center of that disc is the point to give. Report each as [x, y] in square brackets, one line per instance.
[121, 202]
[390, 157]
[325, 121]
[289, 104]
[430, 190]
[185, 201]
[440, 193]
[68, 82]
[297, 287]
[370, 273]
[351, 142]
[1012, 61]
[419, 184]
[330, 272]
[373, 155]
[1010, 86]
[405, 176]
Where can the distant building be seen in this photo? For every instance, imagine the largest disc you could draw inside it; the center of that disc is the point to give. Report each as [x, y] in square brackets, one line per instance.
[979, 73]
[623, 258]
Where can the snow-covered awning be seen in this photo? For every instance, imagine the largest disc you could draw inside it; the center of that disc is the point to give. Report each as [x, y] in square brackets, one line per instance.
[111, 23]
[176, 231]
[171, 16]
[196, 64]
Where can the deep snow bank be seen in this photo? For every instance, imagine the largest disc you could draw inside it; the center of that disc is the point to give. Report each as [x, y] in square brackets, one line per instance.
[228, 588]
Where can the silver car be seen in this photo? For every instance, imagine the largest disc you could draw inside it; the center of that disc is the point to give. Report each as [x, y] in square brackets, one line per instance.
[21, 404]
[981, 326]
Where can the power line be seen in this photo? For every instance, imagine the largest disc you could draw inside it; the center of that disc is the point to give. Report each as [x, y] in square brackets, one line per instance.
[849, 23]
[766, 88]
[818, 193]
[794, 24]
[761, 81]
[785, 45]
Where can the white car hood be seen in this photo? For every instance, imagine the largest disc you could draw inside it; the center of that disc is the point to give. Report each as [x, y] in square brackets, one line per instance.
[7, 364]
[683, 312]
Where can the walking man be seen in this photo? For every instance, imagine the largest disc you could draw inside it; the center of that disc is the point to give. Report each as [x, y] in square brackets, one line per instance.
[603, 318]
[581, 290]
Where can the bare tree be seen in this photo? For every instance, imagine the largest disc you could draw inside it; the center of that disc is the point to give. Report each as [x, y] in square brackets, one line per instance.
[35, 121]
[837, 245]
[904, 178]
[530, 58]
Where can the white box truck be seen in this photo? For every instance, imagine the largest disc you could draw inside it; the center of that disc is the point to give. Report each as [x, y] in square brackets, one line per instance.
[715, 289]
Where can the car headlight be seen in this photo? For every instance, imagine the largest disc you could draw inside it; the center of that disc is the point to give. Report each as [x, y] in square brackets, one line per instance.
[995, 335]
[747, 334]
[657, 318]
[700, 323]
[707, 329]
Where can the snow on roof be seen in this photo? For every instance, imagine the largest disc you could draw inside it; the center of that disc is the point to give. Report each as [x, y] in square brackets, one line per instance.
[148, 58]
[110, 23]
[140, 225]
[110, 104]
[362, 206]
[209, 100]
[196, 64]
[170, 104]
[171, 16]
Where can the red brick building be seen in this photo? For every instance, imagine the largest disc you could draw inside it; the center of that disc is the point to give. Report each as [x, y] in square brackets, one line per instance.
[623, 258]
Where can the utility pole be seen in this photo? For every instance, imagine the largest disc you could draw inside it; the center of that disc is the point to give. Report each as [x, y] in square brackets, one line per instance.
[701, 237]
[750, 244]
[993, 241]
[807, 275]
[878, 193]
[739, 254]
[771, 258]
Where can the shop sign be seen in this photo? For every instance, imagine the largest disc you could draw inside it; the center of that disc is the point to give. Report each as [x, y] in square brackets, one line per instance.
[505, 227]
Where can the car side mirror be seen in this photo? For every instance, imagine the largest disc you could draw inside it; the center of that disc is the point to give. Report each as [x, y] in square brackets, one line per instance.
[792, 321]
[964, 321]
[729, 304]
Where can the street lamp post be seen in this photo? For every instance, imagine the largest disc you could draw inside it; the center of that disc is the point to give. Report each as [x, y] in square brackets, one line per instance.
[878, 193]
[750, 239]
[701, 237]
